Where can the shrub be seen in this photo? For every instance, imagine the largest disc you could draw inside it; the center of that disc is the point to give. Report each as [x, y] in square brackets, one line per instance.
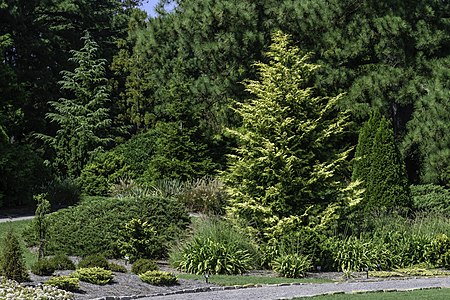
[143, 265]
[43, 267]
[12, 264]
[431, 198]
[75, 231]
[139, 239]
[63, 192]
[215, 248]
[117, 268]
[66, 283]
[292, 265]
[98, 176]
[94, 275]
[438, 251]
[62, 262]
[95, 260]
[158, 278]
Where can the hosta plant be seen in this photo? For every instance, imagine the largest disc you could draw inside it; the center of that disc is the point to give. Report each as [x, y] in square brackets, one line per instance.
[94, 275]
[158, 278]
[292, 265]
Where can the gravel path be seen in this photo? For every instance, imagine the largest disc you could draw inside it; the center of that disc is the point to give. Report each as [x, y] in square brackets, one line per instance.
[307, 290]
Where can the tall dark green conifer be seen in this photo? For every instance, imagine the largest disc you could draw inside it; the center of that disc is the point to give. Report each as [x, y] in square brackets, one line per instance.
[362, 165]
[82, 118]
[382, 169]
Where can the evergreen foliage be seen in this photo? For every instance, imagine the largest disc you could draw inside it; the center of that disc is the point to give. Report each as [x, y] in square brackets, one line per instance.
[382, 169]
[94, 225]
[289, 157]
[82, 118]
[362, 163]
[102, 172]
[41, 223]
[430, 125]
[12, 263]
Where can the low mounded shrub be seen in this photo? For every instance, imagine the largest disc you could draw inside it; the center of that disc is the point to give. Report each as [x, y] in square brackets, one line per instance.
[67, 283]
[158, 278]
[215, 248]
[292, 265]
[117, 268]
[95, 260]
[94, 275]
[62, 262]
[143, 265]
[43, 267]
[93, 226]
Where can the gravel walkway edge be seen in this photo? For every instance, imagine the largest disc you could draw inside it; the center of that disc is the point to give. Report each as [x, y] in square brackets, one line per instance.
[289, 291]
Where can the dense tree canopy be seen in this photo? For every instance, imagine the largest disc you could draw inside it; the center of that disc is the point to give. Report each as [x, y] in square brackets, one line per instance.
[175, 77]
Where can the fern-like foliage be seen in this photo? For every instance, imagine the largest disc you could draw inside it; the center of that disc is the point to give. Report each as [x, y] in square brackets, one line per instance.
[82, 117]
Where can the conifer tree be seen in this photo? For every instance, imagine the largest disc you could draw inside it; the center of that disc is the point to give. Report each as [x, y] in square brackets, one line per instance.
[12, 263]
[429, 127]
[361, 165]
[288, 157]
[386, 183]
[40, 222]
[82, 117]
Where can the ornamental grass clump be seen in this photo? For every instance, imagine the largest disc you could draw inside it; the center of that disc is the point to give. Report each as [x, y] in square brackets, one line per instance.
[215, 248]
[94, 275]
[10, 289]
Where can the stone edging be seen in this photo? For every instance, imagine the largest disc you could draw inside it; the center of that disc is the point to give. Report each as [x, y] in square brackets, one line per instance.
[235, 287]
[198, 290]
